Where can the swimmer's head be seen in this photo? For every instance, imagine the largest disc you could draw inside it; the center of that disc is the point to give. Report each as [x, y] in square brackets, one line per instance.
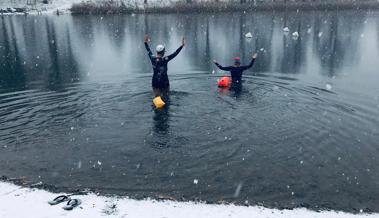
[237, 61]
[160, 49]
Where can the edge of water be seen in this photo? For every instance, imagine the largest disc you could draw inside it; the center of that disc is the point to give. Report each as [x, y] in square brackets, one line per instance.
[17, 201]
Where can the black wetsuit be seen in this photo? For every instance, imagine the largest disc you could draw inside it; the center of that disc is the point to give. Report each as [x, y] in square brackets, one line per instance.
[160, 77]
[236, 71]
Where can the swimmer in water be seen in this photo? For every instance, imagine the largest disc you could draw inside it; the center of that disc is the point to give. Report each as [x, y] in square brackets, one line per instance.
[160, 81]
[236, 70]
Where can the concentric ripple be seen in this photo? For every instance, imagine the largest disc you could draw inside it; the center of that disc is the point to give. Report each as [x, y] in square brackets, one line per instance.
[285, 144]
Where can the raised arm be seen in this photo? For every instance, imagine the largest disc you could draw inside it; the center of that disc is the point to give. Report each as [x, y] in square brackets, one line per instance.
[221, 67]
[173, 55]
[251, 62]
[146, 40]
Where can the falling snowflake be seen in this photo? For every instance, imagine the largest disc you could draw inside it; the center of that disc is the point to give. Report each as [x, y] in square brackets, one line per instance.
[328, 86]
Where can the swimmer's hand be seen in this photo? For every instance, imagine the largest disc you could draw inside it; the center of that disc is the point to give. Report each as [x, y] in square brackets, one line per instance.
[214, 61]
[146, 39]
[255, 55]
[183, 42]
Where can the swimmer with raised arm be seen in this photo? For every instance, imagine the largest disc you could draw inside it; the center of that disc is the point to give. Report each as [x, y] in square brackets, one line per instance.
[160, 81]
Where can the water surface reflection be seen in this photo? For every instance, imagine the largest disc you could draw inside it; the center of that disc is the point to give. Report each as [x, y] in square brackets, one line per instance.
[302, 131]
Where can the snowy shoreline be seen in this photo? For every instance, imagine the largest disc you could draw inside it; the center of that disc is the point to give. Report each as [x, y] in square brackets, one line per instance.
[17, 201]
[63, 6]
[164, 7]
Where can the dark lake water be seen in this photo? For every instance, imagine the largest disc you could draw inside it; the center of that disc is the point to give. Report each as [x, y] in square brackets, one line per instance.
[76, 113]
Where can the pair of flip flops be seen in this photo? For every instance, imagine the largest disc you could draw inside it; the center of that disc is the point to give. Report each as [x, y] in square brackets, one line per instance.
[71, 203]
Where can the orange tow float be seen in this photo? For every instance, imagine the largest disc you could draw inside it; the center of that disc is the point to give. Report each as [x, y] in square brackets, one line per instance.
[224, 82]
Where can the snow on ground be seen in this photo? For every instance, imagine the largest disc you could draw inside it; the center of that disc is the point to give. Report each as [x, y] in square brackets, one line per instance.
[64, 5]
[61, 5]
[16, 201]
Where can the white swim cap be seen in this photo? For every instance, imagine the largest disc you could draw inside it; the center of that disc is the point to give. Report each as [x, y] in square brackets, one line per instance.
[160, 48]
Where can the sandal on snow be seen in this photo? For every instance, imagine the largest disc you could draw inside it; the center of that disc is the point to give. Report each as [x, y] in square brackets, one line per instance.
[59, 199]
[71, 204]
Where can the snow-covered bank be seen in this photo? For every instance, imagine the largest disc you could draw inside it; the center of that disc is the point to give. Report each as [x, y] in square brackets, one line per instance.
[8, 7]
[62, 5]
[16, 201]
[206, 6]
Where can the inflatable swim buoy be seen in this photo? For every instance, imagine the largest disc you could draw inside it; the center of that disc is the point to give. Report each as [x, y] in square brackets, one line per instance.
[224, 81]
[158, 102]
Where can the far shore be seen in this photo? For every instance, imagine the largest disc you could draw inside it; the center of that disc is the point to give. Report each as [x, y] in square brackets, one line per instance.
[215, 7]
[85, 8]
